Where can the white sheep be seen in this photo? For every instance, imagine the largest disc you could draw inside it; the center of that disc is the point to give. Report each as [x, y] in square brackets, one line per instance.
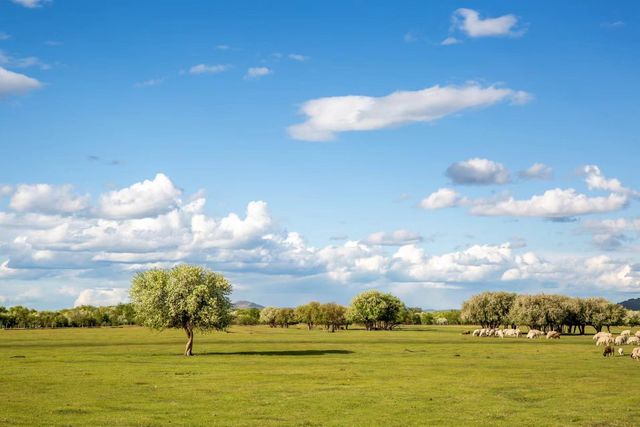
[633, 340]
[638, 334]
[597, 336]
[625, 333]
[499, 333]
[553, 335]
[605, 340]
[621, 340]
[635, 354]
[534, 333]
[621, 351]
[476, 332]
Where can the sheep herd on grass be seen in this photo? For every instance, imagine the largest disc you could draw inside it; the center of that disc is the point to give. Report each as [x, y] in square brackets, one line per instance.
[605, 339]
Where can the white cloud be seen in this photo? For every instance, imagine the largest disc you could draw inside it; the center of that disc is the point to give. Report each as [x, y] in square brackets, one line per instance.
[328, 116]
[537, 171]
[5, 190]
[450, 41]
[395, 238]
[470, 23]
[556, 203]
[596, 180]
[297, 57]
[31, 4]
[478, 171]
[611, 234]
[102, 297]
[442, 198]
[15, 83]
[150, 82]
[4, 36]
[47, 198]
[257, 72]
[208, 69]
[147, 198]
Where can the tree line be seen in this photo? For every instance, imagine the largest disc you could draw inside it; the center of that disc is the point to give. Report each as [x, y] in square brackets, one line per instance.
[545, 312]
[78, 317]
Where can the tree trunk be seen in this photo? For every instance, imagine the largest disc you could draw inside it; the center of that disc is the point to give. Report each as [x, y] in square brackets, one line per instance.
[188, 350]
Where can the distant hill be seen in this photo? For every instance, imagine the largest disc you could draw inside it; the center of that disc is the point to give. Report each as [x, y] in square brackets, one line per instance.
[631, 304]
[247, 304]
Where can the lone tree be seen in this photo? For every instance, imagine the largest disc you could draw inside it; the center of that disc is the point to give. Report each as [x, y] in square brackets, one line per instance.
[187, 296]
[376, 310]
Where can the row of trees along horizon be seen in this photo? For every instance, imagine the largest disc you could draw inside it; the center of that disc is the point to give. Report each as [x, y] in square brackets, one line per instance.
[192, 298]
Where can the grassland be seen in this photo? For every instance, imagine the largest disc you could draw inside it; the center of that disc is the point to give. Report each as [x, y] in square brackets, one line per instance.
[268, 377]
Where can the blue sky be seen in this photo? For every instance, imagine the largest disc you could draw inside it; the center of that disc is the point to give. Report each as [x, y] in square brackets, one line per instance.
[136, 135]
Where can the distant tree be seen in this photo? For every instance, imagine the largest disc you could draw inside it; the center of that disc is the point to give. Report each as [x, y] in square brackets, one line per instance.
[332, 316]
[268, 316]
[632, 318]
[187, 296]
[285, 317]
[309, 314]
[246, 316]
[488, 309]
[427, 318]
[376, 310]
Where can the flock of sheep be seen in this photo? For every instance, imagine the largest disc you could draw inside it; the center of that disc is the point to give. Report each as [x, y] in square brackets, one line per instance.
[601, 338]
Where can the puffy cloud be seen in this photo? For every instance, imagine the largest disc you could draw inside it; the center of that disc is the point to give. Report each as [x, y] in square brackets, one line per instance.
[31, 4]
[596, 180]
[537, 171]
[478, 171]
[208, 69]
[98, 297]
[47, 198]
[5, 190]
[331, 115]
[297, 57]
[556, 203]
[470, 23]
[611, 234]
[147, 198]
[15, 83]
[442, 198]
[394, 238]
[257, 72]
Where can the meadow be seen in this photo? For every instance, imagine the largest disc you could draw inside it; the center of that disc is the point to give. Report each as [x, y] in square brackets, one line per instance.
[256, 375]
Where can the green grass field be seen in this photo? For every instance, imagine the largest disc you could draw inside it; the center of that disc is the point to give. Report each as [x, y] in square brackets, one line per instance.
[262, 376]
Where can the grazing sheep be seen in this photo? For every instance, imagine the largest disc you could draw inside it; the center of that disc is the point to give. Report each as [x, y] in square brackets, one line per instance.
[608, 351]
[625, 333]
[605, 341]
[622, 339]
[476, 332]
[621, 351]
[633, 340]
[534, 333]
[553, 335]
[483, 332]
[638, 334]
[597, 336]
[499, 333]
[635, 354]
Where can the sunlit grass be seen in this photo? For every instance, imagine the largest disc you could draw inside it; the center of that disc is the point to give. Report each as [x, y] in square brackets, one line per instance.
[263, 376]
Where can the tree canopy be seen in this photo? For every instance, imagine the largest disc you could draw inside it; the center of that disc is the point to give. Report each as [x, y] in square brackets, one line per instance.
[187, 296]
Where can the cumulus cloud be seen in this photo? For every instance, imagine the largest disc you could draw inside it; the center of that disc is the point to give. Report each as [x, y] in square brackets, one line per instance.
[208, 69]
[100, 297]
[555, 203]
[31, 4]
[596, 180]
[469, 22]
[394, 238]
[12, 83]
[47, 198]
[478, 171]
[442, 198]
[537, 171]
[257, 72]
[297, 57]
[612, 234]
[147, 198]
[328, 116]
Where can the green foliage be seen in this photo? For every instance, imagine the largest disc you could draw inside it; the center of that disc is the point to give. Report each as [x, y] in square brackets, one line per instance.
[309, 314]
[333, 316]
[246, 316]
[488, 309]
[376, 310]
[82, 317]
[186, 296]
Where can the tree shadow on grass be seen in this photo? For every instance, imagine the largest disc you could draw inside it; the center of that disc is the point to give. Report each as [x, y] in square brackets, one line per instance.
[277, 353]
